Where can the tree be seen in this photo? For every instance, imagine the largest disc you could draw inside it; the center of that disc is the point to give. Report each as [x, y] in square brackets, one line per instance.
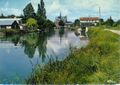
[118, 22]
[61, 23]
[41, 12]
[28, 11]
[2, 16]
[77, 22]
[43, 9]
[41, 45]
[48, 24]
[11, 16]
[31, 23]
[110, 22]
[41, 15]
[101, 21]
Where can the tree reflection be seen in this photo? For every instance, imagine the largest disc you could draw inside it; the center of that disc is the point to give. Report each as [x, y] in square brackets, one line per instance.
[33, 42]
[36, 41]
[41, 44]
[29, 44]
[61, 33]
[15, 39]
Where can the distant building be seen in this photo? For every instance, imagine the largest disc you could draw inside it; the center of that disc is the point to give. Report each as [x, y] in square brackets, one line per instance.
[10, 23]
[89, 21]
[68, 24]
[64, 19]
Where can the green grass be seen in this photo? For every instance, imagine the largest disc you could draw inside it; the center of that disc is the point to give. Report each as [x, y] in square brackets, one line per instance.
[94, 64]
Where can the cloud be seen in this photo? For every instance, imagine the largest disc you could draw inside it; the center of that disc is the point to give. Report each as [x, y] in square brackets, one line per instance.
[55, 7]
[106, 5]
[11, 11]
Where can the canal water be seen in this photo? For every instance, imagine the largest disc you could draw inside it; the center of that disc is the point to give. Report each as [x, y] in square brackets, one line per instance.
[19, 54]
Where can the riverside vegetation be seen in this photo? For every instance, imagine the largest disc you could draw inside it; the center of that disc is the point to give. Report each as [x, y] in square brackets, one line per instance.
[96, 63]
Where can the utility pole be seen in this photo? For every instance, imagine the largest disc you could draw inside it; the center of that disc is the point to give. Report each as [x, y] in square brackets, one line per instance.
[99, 15]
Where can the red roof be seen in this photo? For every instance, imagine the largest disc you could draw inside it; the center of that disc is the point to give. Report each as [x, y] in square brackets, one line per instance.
[89, 18]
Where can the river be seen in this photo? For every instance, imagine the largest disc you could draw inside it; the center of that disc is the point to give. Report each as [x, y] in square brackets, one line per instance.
[19, 54]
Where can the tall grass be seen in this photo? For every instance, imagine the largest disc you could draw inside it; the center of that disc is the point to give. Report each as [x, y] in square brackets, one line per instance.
[94, 64]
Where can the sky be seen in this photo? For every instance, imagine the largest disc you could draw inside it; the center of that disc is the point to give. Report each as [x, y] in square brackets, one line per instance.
[73, 9]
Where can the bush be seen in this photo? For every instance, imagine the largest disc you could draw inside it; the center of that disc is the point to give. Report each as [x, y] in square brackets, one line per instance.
[32, 23]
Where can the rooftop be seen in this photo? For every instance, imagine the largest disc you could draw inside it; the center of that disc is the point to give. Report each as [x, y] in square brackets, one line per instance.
[8, 21]
[89, 18]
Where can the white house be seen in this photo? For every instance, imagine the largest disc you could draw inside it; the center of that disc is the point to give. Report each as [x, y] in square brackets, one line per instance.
[8, 23]
[89, 21]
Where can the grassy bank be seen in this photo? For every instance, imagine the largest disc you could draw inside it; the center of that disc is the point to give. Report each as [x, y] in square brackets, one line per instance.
[14, 31]
[97, 63]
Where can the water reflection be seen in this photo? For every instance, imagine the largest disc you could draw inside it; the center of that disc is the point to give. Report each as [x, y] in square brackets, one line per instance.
[30, 49]
[36, 41]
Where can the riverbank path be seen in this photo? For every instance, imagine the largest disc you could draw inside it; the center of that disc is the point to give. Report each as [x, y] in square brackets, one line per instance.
[114, 31]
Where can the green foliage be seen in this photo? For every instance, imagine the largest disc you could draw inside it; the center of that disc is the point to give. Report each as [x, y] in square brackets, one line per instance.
[117, 24]
[48, 24]
[77, 22]
[41, 10]
[110, 22]
[40, 16]
[40, 21]
[61, 23]
[28, 11]
[94, 64]
[31, 23]
[9, 31]
[101, 22]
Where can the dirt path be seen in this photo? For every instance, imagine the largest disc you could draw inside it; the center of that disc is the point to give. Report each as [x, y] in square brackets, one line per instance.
[114, 31]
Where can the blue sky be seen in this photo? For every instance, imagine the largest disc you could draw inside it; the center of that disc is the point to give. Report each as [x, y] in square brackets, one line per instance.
[74, 9]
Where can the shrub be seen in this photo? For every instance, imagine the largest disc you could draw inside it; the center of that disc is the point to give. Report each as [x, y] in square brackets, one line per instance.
[31, 23]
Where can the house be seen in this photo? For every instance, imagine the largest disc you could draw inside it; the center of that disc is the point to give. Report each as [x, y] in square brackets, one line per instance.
[10, 23]
[89, 21]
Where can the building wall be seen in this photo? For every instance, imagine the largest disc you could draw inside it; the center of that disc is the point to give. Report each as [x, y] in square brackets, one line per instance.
[88, 23]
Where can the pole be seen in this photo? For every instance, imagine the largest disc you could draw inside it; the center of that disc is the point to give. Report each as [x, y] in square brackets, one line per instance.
[99, 16]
